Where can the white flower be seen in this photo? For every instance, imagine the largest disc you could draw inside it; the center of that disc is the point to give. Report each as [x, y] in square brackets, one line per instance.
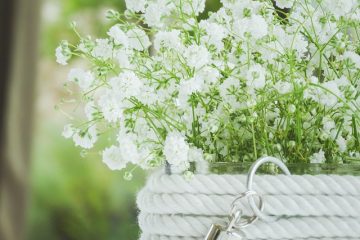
[197, 56]
[138, 39]
[180, 168]
[318, 157]
[256, 77]
[85, 139]
[111, 106]
[176, 150]
[122, 56]
[128, 147]
[342, 81]
[136, 5]
[120, 38]
[186, 88]
[126, 85]
[68, 131]
[90, 109]
[103, 49]
[283, 87]
[203, 76]
[284, 3]
[113, 159]
[240, 8]
[196, 154]
[300, 45]
[327, 94]
[155, 12]
[209, 74]
[228, 84]
[331, 98]
[341, 142]
[82, 47]
[339, 7]
[256, 25]
[63, 53]
[215, 33]
[329, 126]
[85, 79]
[167, 39]
[152, 15]
[355, 58]
[192, 7]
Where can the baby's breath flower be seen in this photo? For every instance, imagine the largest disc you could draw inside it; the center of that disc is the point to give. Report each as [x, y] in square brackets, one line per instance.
[215, 33]
[68, 131]
[85, 138]
[256, 26]
[136, 5]
[103, 49]
[341, 142]
[128, 147]
[119, 36]
[122, 56]
[355, 58]
[168, 39]
[284, 3]
[256, 77]
[245, 82]
[63, 53]
[318, 157]
[128, 176]
[111, 106]
[188, 175]
[339, 7]
[191, 7]
[138, 39]
[176, 151]
[197, 56]
[85, 79]
[90, 110]
[113, 159]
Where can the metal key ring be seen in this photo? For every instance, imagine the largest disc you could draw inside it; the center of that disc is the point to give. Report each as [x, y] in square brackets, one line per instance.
[246, 221]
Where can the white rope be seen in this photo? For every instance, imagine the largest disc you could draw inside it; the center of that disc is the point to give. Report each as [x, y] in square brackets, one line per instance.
[318, 207]
[219, 205]
[267, 184]
[164, 237]
[295, 227]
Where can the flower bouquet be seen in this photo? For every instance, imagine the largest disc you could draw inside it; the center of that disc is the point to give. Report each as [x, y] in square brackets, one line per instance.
[168, 88]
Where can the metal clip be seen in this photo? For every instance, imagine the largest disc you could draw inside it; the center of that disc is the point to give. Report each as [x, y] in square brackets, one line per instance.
[218, 232]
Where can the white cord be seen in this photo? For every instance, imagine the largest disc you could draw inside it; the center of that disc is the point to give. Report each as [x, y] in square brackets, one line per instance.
[164, 237]
[266, 184]
[293, 227]
[276, 205]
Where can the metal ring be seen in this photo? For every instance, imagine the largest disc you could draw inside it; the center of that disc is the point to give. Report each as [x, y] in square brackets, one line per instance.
[246, 220]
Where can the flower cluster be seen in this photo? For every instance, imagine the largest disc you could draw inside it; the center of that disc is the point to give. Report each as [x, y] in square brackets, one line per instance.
[254, 78]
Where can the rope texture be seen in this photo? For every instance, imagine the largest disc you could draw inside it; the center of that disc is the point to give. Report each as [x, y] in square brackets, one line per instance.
[307, 207]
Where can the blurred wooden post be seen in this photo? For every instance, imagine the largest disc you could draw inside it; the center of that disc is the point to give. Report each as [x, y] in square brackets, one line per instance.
[19, 33]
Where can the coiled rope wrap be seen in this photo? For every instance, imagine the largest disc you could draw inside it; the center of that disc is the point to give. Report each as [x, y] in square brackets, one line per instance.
[308, 207]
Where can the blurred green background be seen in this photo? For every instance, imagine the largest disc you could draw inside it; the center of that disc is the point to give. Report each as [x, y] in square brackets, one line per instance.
[74, 195]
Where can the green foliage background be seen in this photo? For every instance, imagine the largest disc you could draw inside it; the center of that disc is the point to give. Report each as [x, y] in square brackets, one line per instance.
[74, 197]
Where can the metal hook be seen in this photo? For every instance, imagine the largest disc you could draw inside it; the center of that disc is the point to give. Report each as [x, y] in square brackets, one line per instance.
[250, 179]
[237, 220]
